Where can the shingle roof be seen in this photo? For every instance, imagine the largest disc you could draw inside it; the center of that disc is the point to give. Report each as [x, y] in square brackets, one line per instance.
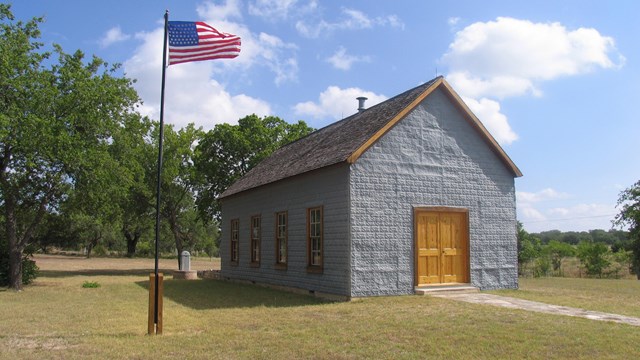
[347, 139]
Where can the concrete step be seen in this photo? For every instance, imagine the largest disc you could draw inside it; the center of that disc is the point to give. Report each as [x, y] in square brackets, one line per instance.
[444, 289]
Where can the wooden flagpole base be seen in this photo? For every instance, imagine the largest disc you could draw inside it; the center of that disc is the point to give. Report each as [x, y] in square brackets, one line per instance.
[153, 328]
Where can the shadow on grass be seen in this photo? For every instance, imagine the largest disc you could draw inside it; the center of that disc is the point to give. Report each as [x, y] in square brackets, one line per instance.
[99, 272]
[218, 294]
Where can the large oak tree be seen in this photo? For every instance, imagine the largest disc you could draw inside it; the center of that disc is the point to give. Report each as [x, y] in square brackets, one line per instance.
[57, 118]
[227, 152]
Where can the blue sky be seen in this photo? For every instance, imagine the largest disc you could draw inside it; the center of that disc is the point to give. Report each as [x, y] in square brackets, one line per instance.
[556, 82]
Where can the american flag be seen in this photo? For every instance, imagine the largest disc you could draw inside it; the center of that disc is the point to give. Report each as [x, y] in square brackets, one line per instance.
[197, 41]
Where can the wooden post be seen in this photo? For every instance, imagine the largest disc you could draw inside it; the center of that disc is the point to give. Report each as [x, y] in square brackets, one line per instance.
[152, 327]
[160, 305]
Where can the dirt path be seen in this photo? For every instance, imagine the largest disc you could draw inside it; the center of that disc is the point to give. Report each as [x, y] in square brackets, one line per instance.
[513, 303]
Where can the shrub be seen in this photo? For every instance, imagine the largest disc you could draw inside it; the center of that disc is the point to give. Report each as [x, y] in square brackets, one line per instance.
[29, 268]
[556, 251]
[542, 266]
[90, 285]
[100, 250]
[145, 249]
[593, 257]
[620, 264]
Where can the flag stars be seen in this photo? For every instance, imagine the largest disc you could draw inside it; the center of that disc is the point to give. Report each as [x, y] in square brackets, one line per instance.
[182, 33]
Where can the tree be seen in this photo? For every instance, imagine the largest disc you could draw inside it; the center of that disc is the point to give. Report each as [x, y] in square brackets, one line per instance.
[557, 251]
[529, 248]
[55, 124]
[593, 256]
[138, 158]
[227, 152]
[177, 201]
[629, 204]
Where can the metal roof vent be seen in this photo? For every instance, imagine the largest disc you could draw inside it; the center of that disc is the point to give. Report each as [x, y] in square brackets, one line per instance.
[361, 101]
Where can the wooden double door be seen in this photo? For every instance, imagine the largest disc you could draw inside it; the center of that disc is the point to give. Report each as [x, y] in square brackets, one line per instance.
[442, 246]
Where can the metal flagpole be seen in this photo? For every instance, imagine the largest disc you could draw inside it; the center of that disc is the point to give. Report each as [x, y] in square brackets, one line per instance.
[161, 137]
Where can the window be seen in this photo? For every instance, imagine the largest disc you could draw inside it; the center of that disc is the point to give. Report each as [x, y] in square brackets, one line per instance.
[281, 240]
[255, 240]
[235, 227]
[314, 239]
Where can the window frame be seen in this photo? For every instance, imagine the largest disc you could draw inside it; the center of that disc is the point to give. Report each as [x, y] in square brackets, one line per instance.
[234, 241]
[280, 238]
[255, 241]
[312, 266]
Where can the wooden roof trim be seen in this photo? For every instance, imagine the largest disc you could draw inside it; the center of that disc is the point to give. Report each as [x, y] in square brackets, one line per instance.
[475, 122]
[459, 103]
[364, 147]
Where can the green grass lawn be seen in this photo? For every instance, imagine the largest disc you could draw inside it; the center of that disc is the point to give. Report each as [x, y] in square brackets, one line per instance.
[58, 318]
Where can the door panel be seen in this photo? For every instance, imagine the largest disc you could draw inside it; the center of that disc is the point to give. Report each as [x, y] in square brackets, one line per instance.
[428, 251]
[442, 247]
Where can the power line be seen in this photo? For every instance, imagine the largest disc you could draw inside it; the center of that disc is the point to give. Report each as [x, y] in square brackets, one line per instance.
[566, 219]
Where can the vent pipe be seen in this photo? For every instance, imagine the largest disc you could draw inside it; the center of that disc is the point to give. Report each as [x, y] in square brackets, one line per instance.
[361, 101]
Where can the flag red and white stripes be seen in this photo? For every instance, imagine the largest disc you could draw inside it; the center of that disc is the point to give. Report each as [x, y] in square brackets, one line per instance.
[198, 41]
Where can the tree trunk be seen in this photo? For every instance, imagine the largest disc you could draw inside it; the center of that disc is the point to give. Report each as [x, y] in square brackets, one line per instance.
[131, 246]
[15, 250]
[17, 245]
[173, 224]
[15, 269]
[179, 247]
[132, 242]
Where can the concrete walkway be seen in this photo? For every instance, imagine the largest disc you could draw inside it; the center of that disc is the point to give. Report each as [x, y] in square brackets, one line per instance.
[513, 303]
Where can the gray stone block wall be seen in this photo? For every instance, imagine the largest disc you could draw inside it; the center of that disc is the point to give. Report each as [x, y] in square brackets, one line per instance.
[433, 157]
[328, 188]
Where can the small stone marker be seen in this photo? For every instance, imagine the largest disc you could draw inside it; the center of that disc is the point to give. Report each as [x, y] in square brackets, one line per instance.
[185, 272]
[185, 261]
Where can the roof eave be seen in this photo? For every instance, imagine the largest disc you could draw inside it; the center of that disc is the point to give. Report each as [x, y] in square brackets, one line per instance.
[401, 115]
[477, 124]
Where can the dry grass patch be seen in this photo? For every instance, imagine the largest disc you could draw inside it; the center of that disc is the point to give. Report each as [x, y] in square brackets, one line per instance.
[68, 264]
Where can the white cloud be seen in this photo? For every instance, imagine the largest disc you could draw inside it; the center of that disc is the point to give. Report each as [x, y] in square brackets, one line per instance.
[537, 215]
[581, 217]
[531, 213]
[528, 203]
[277, 55]
[343, 61]
[488, 111]
[191, 95]
[280, 9]
[511, 57]
[260, 49]
[230, 9]
[542, 195]
[337, 103]
[521, 49]
[112, 36]
[351, 20]
[453, 21]
[497, 86]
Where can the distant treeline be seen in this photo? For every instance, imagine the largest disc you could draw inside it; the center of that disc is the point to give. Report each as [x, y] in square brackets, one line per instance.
[613, 238]
[599, 253]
